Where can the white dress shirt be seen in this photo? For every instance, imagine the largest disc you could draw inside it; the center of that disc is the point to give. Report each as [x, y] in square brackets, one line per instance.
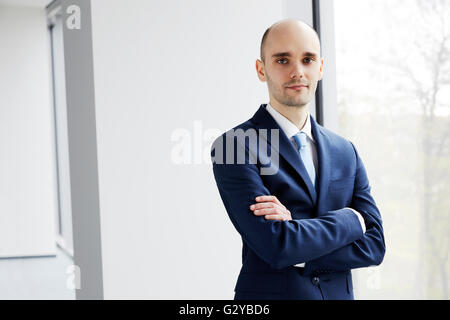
[291, 130]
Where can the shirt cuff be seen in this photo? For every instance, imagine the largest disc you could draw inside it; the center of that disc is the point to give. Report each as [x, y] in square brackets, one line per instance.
[360, 218]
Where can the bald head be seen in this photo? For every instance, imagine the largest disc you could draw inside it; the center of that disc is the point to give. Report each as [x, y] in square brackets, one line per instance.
[288, 27]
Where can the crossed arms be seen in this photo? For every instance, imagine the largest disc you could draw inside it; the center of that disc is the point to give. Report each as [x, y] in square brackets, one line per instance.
[334, 241]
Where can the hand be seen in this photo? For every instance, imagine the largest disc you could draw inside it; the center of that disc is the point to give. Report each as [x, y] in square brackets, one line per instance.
[270, 208]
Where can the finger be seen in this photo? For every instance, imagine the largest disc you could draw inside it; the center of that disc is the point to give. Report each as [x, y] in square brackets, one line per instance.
[268, 198]
[261, 212]
[262, 205]
[275, 217]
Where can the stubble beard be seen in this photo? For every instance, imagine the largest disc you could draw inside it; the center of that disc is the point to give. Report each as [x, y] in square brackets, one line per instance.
[281, 97]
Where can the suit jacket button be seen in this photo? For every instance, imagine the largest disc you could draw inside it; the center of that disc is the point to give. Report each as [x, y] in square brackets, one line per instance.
[315, 281]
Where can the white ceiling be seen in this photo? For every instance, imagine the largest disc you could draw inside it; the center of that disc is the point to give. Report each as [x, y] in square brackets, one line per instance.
[26, 3]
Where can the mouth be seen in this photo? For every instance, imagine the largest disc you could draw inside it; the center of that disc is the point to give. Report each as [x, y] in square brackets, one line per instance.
[298, 87]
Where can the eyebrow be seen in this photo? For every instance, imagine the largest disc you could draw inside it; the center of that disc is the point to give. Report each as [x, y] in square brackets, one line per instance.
[288, 54]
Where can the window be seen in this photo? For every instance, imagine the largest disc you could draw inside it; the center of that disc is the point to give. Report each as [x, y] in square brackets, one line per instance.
[393, 84]
[64, 219]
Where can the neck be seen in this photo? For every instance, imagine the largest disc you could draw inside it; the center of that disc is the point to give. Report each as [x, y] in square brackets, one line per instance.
[296, 114]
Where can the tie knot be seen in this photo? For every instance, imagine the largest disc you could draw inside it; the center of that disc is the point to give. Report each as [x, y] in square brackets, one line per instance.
[300, 140]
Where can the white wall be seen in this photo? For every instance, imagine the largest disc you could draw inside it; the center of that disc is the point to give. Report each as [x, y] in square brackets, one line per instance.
[28, 201]
[159, 66]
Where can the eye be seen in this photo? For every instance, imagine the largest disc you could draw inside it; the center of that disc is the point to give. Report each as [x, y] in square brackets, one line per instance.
[308, 60]
[283, 59]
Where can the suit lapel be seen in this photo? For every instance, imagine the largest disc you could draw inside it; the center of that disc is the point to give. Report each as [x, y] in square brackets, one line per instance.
[263, 120]
[323, 146]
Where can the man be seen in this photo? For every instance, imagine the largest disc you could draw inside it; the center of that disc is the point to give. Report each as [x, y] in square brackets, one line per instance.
[311, 219]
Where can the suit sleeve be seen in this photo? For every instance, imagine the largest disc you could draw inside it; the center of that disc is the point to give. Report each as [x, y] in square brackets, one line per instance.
[366, 251]
[279, 243]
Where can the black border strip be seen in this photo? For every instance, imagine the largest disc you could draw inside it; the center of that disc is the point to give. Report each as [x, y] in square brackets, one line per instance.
[319, 90]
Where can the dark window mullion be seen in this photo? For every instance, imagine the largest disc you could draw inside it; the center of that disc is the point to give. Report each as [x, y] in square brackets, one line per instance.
[319, 91]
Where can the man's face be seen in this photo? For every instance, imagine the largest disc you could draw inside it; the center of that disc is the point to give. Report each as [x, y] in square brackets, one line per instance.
[292, 64]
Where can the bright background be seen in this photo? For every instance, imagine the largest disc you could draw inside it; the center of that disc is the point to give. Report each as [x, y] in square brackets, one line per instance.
[169, 77]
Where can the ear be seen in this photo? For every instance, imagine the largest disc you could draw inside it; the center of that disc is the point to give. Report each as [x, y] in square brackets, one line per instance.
[321, 69]
[260, 70]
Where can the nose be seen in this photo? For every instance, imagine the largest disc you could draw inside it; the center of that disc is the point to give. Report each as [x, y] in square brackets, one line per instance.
[297, 71]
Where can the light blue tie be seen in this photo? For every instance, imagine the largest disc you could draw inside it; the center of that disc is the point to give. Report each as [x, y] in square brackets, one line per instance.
[305, 154]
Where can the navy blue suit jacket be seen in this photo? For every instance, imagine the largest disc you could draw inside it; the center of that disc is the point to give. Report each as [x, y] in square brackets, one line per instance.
[323, 233]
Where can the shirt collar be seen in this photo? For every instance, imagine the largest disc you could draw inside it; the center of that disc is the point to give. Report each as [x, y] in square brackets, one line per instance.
[287, 126]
